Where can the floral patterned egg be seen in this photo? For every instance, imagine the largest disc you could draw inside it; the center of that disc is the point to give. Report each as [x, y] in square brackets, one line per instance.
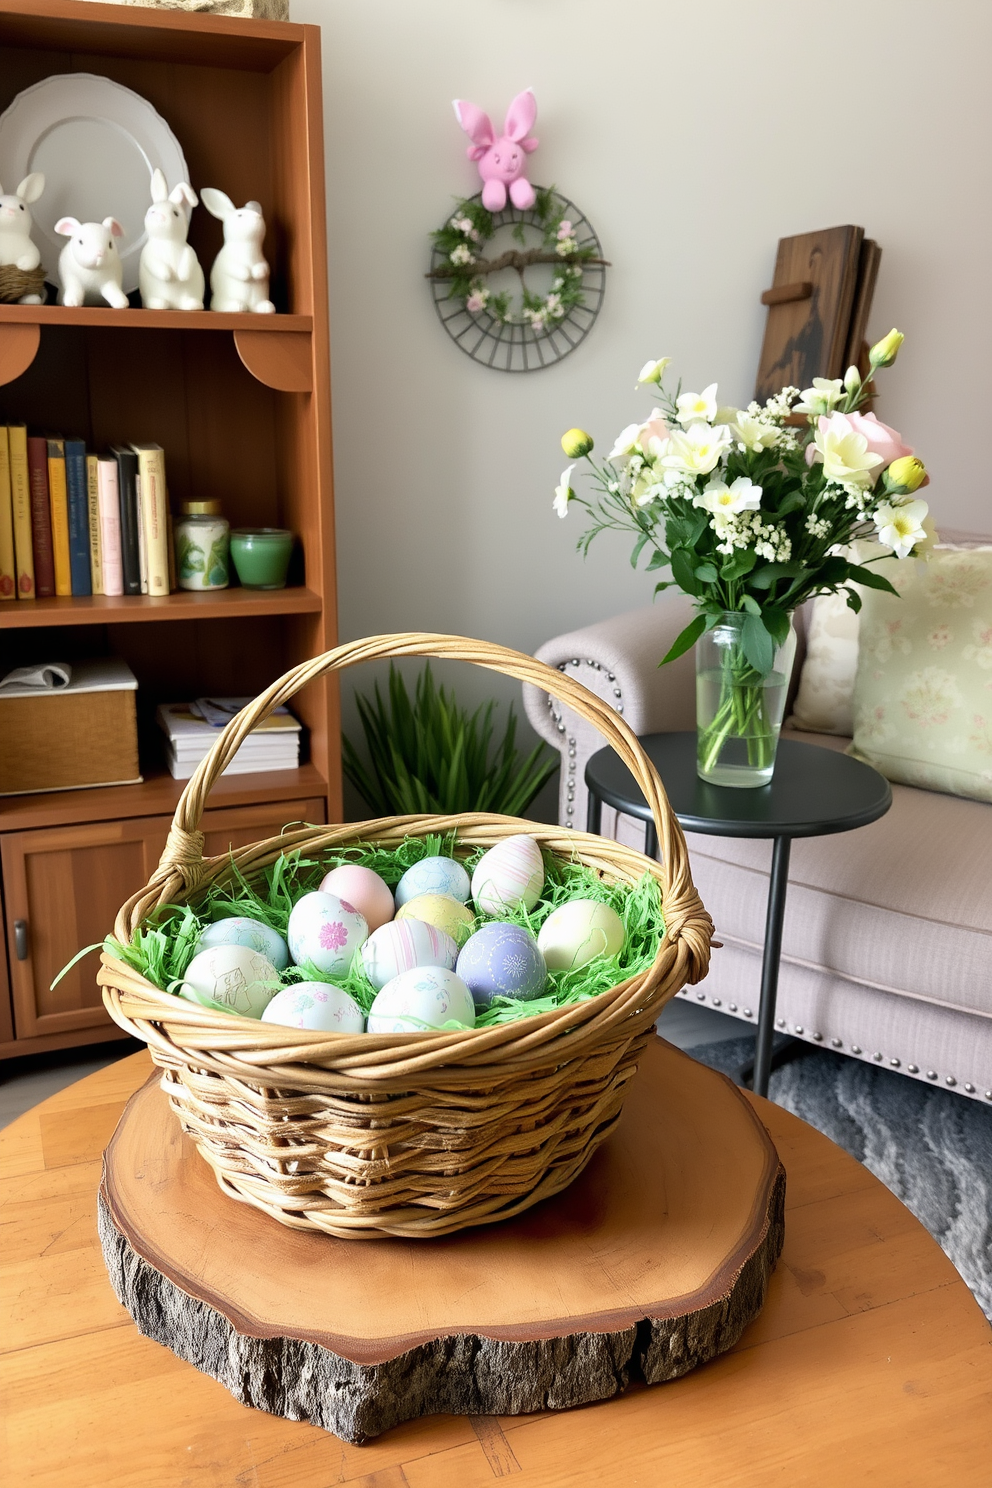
[325, 932]
[362, 889]
[579, 931]
[442, 912]
[428, 997]
[508, 876]
[319, 1006]
[434, 876]
[502, 960]
[240, 930]
[403, 944]
[234, 977]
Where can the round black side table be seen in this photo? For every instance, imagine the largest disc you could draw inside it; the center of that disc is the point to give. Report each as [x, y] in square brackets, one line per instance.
[813, 792]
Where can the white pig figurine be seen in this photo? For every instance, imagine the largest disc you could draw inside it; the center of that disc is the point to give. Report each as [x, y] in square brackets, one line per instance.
[16, 248]
[239, 279]
[169, 274]
[90, 267]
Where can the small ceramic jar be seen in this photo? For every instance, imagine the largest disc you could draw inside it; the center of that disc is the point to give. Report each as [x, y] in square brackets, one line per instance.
[202, 543]
[261, 556]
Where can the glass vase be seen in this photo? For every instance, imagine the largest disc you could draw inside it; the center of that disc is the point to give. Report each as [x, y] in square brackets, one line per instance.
[739, 710]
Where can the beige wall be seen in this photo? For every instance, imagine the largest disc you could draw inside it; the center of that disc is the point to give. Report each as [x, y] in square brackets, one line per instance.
[694, 135]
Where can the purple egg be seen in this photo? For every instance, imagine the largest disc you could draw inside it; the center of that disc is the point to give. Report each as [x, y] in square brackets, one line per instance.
[502, 960]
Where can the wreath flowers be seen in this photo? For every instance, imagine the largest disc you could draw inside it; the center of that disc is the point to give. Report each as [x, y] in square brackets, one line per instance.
[460, 243]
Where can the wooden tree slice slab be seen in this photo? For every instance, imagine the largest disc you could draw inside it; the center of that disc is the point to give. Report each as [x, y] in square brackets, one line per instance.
[652, 1262]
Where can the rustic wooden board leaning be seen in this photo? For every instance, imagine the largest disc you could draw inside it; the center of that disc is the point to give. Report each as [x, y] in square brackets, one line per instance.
[651, 1263]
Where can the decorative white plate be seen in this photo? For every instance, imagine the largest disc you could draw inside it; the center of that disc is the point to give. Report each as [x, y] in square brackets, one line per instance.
[97, 144]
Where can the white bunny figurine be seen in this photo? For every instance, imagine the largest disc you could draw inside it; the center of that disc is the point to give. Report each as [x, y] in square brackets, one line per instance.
[169, 273]
[16, 248]
[239, 279]
[90, 268]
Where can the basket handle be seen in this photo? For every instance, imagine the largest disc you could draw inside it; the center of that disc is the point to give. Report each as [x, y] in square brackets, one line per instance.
[685, 917]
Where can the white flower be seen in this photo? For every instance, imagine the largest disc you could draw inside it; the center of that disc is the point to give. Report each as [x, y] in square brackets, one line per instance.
[822, 397]
[845, 454]
[653, 371]
[554, 306]
[694, 406]
[564, 492]
[901, 527]
[462, 254]
[626, 442]
[696, 450]
[565, 246]
[756, 433]
[743, 495]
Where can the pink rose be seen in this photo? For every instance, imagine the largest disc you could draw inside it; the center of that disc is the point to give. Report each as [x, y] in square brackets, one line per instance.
[655, 428]
[879, 438]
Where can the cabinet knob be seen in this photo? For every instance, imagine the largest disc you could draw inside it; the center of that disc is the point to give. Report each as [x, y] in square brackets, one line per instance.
[21, 939]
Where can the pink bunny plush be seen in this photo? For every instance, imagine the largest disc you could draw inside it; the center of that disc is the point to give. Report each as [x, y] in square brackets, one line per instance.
[501, 158]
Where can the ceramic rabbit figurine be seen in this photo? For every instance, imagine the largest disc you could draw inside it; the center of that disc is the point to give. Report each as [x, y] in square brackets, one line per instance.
[169, 274]
[90, 268]
[502, 158]
[239, 279]
[16, 248]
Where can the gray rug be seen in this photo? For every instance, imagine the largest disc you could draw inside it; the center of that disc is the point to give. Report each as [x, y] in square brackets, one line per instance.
[932, 1148]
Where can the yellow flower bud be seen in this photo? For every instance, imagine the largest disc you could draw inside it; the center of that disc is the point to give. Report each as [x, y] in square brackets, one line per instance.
[904, 476]
[576, 443]
[884, 352]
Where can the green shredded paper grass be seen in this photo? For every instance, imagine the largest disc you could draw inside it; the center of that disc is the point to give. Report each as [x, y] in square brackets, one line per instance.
[164, 945]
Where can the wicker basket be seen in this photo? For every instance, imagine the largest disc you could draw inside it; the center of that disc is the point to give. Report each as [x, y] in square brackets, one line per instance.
[15, 283]
[414, 1134]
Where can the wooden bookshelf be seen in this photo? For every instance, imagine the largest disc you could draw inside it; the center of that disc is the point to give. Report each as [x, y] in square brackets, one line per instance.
[241, 406]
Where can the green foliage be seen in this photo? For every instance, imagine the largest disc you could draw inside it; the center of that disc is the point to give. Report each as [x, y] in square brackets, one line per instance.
[429, 754]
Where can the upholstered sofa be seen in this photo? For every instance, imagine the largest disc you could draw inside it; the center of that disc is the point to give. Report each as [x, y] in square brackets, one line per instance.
[887, 948]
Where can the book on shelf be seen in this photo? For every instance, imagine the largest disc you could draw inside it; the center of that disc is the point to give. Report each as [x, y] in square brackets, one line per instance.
[93, 513]
[153, 509]
[127, 488]
[41, 519]
[58, 496]
[274, 744]
[8, 563]
[108, 504]
[79, 517]
[20, 495]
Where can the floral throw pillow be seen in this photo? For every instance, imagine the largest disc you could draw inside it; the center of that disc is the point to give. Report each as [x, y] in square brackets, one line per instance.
[923, 692]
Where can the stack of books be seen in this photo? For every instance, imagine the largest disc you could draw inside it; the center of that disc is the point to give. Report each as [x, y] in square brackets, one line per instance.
[191, 731]
[74, 523]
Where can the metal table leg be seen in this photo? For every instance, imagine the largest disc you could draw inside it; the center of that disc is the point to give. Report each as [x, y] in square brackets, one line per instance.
[594, 813]
[778, 884]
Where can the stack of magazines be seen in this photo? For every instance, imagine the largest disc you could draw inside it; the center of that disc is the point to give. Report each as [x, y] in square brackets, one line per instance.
[191, 730]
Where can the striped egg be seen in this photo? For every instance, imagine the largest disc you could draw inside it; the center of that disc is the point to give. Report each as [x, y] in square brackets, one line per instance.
[403, 944]
[509, 876]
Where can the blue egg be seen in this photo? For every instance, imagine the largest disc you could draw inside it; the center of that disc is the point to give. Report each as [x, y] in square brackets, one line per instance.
[502, 960]
[434, 876]
[239, 930]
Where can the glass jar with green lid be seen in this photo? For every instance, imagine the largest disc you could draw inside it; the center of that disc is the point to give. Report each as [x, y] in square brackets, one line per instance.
[203, 539]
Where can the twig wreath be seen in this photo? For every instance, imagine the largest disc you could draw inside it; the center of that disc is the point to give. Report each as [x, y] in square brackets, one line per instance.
[500, 330]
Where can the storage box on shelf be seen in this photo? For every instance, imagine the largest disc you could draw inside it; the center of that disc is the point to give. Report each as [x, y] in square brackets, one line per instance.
[241, 406]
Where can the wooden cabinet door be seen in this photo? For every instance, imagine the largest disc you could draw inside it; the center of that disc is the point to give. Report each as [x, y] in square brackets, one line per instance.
[67, 883]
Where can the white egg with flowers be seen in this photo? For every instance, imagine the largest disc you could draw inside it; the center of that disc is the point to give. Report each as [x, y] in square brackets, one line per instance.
[427, 998]
[317, 1006]
[242, 930]
[325, 932]
[509, 876]
[434, 876]
[234, 977]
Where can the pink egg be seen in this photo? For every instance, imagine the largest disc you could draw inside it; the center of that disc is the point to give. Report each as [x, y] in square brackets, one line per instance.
[363, 889]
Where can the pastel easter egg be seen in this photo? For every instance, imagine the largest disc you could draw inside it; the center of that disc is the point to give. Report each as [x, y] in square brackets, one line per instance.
[434, 876]
[235, 977]
[509, 876]
[442, 912]
[579, 931]
[427, 997]
[363, 890]
[502, 960]
[240, 930]
[325, 932]
[403, 944]
[319, 1006]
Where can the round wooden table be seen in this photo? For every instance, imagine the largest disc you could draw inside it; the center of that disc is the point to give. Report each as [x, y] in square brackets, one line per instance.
[870, 1358]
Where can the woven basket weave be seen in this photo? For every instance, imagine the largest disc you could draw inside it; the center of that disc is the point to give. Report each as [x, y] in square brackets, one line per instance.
[15, 283]
[418, 1134]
